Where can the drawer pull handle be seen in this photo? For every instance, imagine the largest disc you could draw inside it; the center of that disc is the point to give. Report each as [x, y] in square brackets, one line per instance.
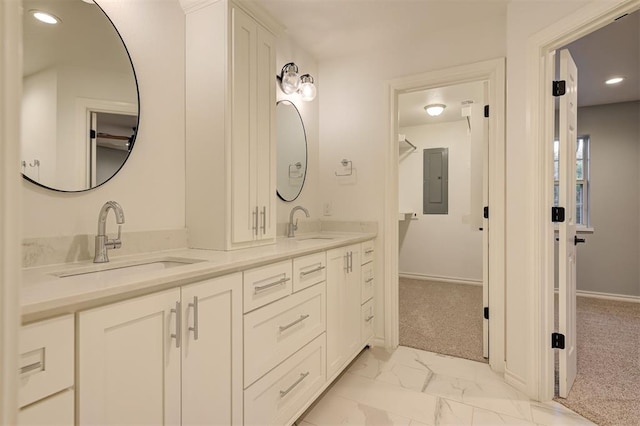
[258, 289]
[369, 318]
[31, 367]
[298, 321]
[369, 280]
[283, 393]
[368, 251]
[318, 269]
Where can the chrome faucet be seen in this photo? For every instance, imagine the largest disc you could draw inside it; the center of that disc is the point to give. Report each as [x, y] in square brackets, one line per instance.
[103, 243]
[293, 227]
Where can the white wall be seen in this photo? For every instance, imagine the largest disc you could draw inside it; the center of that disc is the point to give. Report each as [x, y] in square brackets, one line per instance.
[445, 246]
[355, 119]
[150, 187]
[288, 51]
[609, 261]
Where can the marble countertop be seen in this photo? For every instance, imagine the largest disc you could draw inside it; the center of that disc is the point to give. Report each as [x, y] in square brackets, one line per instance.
[44, 294]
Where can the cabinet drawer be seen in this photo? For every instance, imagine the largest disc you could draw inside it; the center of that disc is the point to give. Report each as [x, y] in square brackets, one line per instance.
[279, 395]
[366, 324]
[46, 358]
[368, 251]
[368, 282]
[56, 410]
[266, 284]
[275, 332]
[309, 270]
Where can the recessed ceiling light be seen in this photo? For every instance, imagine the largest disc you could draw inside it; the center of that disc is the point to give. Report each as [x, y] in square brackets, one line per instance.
[435, 110]
[45, 17]
[614, 80]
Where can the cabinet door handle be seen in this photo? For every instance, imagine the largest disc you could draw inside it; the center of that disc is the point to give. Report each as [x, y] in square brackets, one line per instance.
[264, 220]
[257, 289]
[194, 305]
[303, 376]
[31, 367]
[369, 318]
[298, 321]
[346, 262]
[178, 333]
[318, 269]
[350, 261]
[255, 221]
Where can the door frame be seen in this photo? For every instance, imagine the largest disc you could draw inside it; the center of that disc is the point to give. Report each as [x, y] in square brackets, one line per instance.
[10, 202]
[540, 130]
[492, 71]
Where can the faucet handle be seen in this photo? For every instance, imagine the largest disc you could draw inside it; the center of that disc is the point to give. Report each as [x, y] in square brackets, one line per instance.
[116, 243]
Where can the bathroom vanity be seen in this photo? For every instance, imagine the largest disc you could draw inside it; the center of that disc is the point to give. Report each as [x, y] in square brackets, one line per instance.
[251, 336]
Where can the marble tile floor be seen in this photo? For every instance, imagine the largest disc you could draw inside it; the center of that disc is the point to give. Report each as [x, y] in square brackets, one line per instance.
[413, 387]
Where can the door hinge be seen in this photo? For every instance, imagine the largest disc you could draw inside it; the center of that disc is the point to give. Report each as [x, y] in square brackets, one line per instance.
[557, 341]
[486, 312]
[486, 111]
[485, 212]
[559, 88]
[557, 214]
[92, 134]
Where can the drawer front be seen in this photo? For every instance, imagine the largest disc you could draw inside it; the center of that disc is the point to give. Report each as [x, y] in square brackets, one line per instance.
[57, 410]
[46, 358]
[275, 332]
[278, 396]
[368, 282]
[309, 270]
[366, 324]
[368, 251]
[266, 284]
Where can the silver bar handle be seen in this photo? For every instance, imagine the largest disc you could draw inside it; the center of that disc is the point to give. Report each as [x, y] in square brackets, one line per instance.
[178, 333]
[298, 321]
[369, 318]
[368, 251]
[31, 367]
[257, 289]
[368, 280]
[195, 317]
[255, 221]
[318, 269]
[350, 261]
[264, 220]
[303, 376]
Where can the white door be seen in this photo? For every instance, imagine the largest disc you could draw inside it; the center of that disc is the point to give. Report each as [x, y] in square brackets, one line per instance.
[567, 228]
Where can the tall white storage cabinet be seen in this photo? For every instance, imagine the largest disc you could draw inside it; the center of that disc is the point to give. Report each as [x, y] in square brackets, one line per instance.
[172, 357]
[230, 125]
[343, 306]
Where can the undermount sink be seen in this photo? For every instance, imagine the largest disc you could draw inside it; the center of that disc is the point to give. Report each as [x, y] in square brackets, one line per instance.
[315, 237]
[116, 270]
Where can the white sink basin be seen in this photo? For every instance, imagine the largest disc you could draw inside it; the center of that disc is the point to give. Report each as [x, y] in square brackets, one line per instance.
[117, 270]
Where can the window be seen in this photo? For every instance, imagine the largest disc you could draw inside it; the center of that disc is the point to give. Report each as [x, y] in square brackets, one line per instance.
[582, 178]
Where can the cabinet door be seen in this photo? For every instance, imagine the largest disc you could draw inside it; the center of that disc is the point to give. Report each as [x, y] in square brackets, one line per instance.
[129, 363]
[343, 306]
[212, 346]
[244, 209]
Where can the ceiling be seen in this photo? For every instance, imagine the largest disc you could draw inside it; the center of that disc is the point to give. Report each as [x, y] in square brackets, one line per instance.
[331, 29]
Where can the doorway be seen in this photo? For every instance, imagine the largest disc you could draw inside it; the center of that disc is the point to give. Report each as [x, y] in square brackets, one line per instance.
[492, 71]
[442, 189]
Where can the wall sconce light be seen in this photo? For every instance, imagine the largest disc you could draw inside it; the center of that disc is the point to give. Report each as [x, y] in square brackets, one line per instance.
[291, 82]
[435, 110]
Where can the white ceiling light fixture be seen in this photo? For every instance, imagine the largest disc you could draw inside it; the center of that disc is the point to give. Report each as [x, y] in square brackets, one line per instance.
[435, 110]
[291, 82]
[45, 17]
[614, 80]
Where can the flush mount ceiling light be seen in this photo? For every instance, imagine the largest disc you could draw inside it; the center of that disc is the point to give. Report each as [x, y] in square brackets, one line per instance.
[614, 80]
[435, 110]
[291, 82]
[45, 17]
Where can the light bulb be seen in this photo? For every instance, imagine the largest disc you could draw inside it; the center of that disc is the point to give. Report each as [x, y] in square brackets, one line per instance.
[435, 110]
[307, 89]
[290, 81]
[614, 80]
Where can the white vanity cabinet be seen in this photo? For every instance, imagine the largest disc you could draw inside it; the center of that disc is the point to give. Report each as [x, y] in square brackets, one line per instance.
[230, 125]
[367, 290]
[46, 366]
[166, 358]
[343, 306]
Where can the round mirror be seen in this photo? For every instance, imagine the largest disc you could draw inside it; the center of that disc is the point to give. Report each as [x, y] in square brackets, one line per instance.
[80, 101]
[292, 151]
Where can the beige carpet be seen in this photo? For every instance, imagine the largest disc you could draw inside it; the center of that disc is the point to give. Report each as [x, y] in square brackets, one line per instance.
[441, 317]
[607, 386]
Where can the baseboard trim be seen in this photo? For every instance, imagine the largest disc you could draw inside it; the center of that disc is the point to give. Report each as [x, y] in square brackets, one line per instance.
[608, 296]
[450, 280]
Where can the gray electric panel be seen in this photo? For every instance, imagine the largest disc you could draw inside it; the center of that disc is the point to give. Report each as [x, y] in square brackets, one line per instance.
[435, 188]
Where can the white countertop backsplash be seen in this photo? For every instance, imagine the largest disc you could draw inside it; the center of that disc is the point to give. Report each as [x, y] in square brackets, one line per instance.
[44, 295]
